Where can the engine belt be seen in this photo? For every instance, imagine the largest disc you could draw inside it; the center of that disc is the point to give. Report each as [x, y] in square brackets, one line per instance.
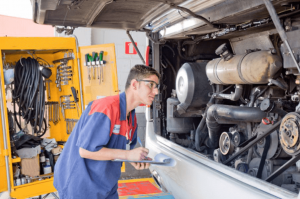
[263, 157]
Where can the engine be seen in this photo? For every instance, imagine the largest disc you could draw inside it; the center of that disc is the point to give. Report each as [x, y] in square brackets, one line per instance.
[241, 110]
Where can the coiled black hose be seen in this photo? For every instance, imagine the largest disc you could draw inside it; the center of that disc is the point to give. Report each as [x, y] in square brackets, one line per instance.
[29, 93]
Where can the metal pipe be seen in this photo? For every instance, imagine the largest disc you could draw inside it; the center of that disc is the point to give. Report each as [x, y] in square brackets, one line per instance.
[253, 97]
[150, 38]
[280, 30]
[267, 132]
[79, 72]
[233, 96]
[280, 83]
[225, 114]
[135, 47]
[4, 133]
[201, 131]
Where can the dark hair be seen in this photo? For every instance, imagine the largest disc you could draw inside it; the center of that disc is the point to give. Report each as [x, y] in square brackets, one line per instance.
[140, 72]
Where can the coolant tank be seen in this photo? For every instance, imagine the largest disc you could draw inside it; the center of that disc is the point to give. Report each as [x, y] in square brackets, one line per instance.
[177, 124]
[252, 68]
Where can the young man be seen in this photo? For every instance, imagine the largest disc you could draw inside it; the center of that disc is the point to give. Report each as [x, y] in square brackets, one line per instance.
[84, 169]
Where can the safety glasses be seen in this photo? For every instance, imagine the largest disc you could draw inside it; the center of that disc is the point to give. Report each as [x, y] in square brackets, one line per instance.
[150, 83]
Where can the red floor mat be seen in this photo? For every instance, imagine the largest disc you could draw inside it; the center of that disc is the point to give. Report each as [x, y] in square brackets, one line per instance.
[135, 188]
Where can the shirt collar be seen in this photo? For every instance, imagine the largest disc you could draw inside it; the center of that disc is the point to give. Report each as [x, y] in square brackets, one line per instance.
[123, 108]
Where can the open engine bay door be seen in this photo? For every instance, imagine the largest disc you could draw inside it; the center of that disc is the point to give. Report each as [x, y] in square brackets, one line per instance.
[99, 72]
[64, 91]
[3, 147]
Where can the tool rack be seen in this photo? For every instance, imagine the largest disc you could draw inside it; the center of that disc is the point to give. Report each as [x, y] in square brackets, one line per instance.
[66, 62]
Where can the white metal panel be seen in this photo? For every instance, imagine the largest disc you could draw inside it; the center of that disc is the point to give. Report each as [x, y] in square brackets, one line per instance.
[195, 176]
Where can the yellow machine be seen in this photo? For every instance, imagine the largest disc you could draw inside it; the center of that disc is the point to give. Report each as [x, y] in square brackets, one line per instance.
[74, 70]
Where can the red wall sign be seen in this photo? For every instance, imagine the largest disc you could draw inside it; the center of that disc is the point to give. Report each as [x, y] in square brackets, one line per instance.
[129, 49]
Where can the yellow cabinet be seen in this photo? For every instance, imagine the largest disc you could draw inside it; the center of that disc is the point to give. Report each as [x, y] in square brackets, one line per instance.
[54, 52]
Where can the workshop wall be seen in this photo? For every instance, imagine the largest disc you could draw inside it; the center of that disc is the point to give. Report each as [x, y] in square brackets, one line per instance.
[124, 61]
[94, 36]
[83, 35]
[19, 27]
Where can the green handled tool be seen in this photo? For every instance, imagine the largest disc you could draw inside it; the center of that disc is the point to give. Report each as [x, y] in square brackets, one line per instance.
[76, 100]
[94, 56]
[88, 62]
[98, 68]
[102, 63]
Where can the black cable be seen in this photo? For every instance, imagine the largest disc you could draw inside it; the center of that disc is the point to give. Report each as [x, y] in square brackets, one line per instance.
[29, 93]
[172, 67]
[170, 48]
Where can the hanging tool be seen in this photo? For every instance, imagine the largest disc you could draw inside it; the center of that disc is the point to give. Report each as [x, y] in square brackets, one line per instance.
[88, 62]
[64, 67]
[62, 99]
[53, 112]
[102, 64]
[63, 70]
[48, 84]
[98, 68]
[94, 56]
[57, 82]
[74, 92]
[66, 75]
[66, 71]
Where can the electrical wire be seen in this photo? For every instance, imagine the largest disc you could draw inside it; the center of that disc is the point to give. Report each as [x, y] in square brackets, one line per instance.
[29, 93]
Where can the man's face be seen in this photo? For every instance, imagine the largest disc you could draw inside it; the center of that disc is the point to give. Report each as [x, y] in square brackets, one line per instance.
[147, 89]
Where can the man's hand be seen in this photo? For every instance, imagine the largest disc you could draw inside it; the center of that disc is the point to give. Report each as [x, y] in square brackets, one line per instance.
[141, 166]
[137, 154]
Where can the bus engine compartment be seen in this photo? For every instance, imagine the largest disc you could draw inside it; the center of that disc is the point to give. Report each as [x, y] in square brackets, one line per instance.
[234, 98]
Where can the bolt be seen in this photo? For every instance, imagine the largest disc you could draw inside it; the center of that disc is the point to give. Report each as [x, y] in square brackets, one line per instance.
[235, 139]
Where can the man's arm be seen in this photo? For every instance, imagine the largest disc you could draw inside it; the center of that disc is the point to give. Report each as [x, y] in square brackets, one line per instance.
[110, 154]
